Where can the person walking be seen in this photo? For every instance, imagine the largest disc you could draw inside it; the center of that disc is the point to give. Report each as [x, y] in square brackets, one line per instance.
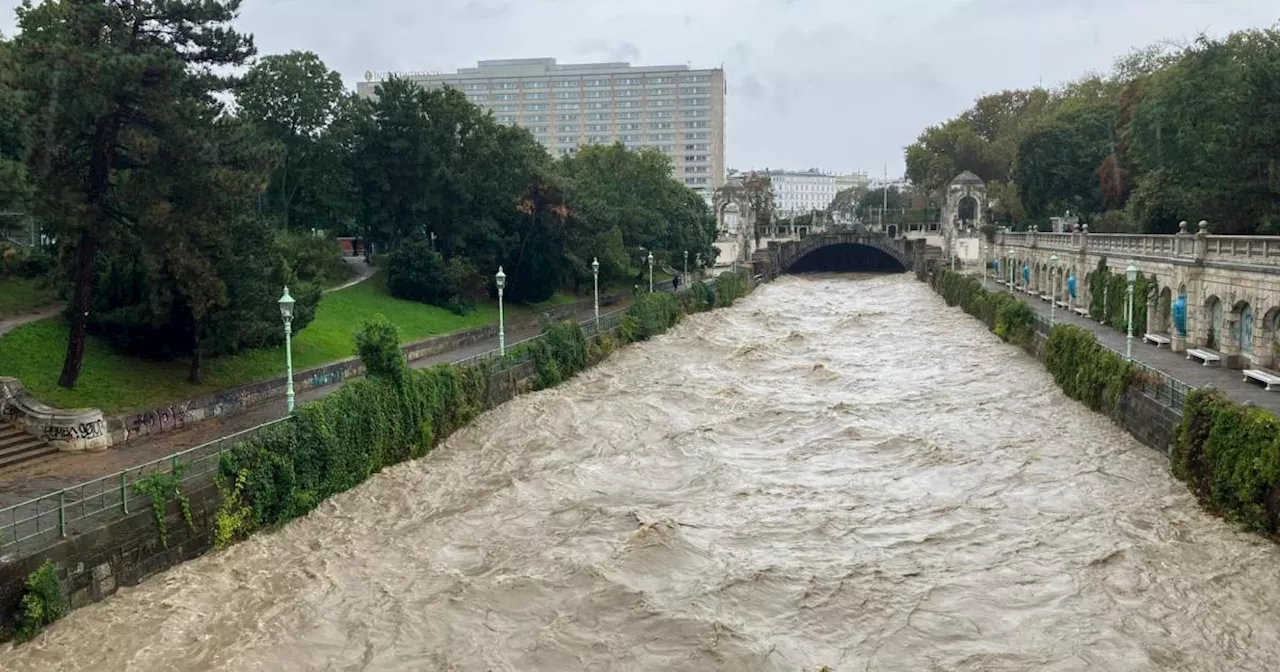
[675, 283]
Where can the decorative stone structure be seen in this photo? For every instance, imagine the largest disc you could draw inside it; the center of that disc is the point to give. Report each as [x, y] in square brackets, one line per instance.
[779, 257]
[1228, 286]
[76, 429]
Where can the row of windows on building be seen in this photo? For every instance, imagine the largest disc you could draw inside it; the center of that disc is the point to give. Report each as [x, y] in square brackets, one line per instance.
[578, 83]
[690, 97]
[542, 107]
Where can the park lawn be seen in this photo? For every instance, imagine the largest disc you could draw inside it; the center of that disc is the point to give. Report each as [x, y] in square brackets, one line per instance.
[115, 382]
[21, 295]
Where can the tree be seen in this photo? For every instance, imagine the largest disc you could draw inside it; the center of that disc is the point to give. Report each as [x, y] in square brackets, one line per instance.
[15, 188]
[103, 81]
[293, 98]
[1058, 161]
[759, 190]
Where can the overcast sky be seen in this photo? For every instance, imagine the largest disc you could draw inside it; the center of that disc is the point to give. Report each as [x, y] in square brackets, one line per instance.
[839, 85]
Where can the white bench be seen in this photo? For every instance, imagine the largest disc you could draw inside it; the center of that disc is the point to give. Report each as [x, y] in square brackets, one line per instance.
[1046, 298]
[1267, 378]
[1207, 356]
[1062, 304]
[1080, 311]
[1157, 339]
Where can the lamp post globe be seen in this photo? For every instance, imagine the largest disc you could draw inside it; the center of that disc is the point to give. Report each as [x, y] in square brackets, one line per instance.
[501, 279]
[286, 314]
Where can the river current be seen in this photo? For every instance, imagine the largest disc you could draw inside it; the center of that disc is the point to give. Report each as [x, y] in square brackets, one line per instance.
[839, 470]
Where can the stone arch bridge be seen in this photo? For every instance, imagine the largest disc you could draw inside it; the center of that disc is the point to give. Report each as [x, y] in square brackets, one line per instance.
[1230, 285]
[855, 251]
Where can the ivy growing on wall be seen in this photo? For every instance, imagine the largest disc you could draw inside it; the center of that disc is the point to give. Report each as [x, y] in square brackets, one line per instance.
[1229, 456]
[1109, 298]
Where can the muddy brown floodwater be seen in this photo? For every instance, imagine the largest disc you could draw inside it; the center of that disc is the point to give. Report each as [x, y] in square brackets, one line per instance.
[839, 470]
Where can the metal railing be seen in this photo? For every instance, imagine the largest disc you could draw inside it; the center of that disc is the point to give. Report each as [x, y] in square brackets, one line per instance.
[37, 522]
[1169, 390]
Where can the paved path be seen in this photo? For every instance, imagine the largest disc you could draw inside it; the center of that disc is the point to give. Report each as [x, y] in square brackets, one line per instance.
[363, 272]
[8, 324]
[64, 470]
[1170, 363]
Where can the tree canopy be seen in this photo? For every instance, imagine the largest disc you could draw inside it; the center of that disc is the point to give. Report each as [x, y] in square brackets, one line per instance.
[1172, 133]
[183, 198]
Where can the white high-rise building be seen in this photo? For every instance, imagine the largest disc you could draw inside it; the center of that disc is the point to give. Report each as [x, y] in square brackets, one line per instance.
[674, 108]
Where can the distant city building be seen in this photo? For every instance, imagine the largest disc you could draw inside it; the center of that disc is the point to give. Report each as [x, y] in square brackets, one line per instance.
[678, 110]
[859, 180]
[800, 192]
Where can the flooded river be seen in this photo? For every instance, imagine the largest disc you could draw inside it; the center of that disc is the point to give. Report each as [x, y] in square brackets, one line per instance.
[837, 471]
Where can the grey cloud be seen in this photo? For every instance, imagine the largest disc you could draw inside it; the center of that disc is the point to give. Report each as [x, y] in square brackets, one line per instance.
[831, 83]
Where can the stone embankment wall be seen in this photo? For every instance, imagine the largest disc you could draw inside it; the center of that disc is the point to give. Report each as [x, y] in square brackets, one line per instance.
[128, 426]
[127, 550]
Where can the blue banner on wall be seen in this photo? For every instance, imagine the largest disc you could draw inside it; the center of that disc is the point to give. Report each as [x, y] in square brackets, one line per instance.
[1071, 285]
[1026, 275]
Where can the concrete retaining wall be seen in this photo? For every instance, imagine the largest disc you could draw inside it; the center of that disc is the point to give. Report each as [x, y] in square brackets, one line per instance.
[128, 426]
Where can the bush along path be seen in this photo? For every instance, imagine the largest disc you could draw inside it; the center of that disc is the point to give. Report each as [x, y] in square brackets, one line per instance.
[395, 413]
[1228, 453]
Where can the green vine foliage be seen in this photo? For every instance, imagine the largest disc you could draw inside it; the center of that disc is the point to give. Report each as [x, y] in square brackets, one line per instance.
[1229, 456]
[398, 414]
[159, 487]
[1085, 370]
[42, 602]
[1006, 316]
[1109, 298]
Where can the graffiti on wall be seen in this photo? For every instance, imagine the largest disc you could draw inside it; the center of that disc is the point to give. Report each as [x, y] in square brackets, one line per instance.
[322, 378]
[156, 421]
[84, 430]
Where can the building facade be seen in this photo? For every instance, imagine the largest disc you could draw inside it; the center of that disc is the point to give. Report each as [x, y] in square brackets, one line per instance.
[678, 110]
[798, 193]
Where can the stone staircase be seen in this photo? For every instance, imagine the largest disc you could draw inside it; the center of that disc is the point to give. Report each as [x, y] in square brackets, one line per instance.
[17, 446]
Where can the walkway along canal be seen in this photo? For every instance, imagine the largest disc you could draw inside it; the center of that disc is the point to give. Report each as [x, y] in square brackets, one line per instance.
[837, 471]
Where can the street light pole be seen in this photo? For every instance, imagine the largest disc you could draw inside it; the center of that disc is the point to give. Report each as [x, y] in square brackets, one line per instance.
[1013, 269]
[650, 272]
[595, 277]
[1053, 289]
[686, 264]
[286, 313]
[1132, 273]
[501, 279]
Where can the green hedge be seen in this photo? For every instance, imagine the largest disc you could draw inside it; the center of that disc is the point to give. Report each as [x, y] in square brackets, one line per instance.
[1229, 456]
[1006, 316]
[1085, 370]
[397, 413]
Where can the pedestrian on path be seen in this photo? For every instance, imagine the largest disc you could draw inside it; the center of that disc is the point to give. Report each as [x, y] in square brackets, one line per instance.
[675, 283]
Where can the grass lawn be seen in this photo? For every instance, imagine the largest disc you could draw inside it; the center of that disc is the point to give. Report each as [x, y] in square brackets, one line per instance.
[19, 295]
[116, 382]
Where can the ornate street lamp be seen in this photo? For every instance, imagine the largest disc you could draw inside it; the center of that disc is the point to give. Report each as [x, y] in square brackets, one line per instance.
[650, 272]
[595, 275]
[1053, 289]
[286, 314]
[501, 279]
[1132, 274]
[686, 264]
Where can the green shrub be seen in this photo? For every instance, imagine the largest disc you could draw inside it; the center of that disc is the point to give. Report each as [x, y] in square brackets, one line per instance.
[654, 313]
[42, 602]
[416, 272]
[313, 259]
[1229, 456]
[378, 346]
[1085, 370]
[730, 287]
[1010, 319]
[1109, 298]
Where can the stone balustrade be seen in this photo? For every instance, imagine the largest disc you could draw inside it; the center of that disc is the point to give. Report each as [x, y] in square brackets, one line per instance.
[75, 429]
[1199, 248]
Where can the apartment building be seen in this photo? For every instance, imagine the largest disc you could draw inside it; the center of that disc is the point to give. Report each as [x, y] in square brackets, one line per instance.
[800, 192]
[674, 108]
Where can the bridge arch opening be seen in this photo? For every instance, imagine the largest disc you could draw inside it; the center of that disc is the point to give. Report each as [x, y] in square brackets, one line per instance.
[847, 258]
